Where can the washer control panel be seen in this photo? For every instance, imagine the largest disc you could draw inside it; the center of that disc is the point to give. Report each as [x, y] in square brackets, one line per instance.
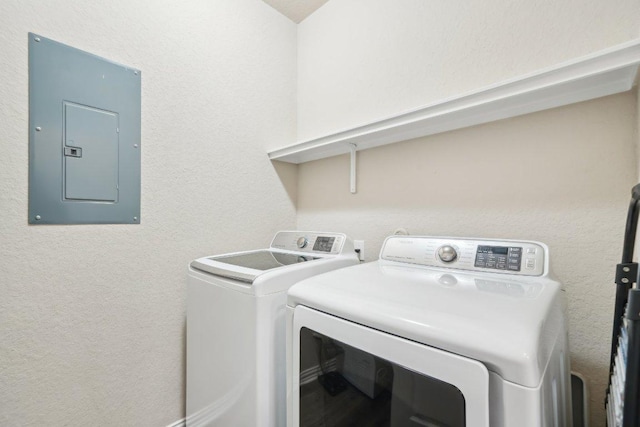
[524, 258]
[309, 242]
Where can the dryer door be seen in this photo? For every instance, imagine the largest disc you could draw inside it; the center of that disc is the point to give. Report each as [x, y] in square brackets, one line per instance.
[346, 374]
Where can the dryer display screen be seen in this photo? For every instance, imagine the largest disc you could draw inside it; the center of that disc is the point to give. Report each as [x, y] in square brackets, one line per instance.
[499, 257]
[323, 244]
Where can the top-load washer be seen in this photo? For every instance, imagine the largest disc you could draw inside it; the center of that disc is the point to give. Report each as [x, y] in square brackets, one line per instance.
[438, 332]
[236, 326]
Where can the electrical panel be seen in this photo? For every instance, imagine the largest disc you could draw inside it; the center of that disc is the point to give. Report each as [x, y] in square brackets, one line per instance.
[84, 137]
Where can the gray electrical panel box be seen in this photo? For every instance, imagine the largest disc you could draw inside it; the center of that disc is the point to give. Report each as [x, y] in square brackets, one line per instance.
[84, 137]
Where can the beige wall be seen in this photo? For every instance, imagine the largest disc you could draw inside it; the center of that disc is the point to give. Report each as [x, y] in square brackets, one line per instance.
[92, 317]
[638, 123]
[364, 60]
[561, 176]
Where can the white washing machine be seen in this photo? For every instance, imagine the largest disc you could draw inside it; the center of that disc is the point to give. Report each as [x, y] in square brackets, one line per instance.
[439, 332]
[236, 326]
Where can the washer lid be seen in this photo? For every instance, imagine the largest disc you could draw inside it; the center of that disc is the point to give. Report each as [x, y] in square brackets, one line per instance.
[509, 323]
[246, 266]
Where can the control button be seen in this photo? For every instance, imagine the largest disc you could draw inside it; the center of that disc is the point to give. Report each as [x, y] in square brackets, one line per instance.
[491, 264]
[514, 267]
[480, 260]
[501, 266]
[302, 242]
[531, 251]
[515, 250]
[531, 264]
[447, 253]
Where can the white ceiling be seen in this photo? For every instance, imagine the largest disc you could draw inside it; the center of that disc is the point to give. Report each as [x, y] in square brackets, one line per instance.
[296, 10]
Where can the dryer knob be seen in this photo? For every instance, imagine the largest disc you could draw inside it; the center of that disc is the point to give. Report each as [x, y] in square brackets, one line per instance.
[302, 242]
[447, 253]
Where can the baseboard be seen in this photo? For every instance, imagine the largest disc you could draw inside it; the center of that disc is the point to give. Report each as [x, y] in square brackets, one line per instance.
[180, 423]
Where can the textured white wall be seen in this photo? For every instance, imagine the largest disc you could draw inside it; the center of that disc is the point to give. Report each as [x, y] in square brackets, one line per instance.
[92, 317]
[363, 60]
[561, 176]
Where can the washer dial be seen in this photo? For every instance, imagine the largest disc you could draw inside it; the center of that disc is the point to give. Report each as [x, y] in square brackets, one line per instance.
[302, 242]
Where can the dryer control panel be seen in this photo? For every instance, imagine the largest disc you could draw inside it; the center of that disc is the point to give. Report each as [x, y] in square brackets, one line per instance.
[524, 258]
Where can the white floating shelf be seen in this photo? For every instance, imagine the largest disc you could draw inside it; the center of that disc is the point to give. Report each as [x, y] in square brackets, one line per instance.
[600, 74]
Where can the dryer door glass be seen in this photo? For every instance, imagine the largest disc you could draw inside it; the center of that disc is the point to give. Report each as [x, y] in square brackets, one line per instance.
[341, 385]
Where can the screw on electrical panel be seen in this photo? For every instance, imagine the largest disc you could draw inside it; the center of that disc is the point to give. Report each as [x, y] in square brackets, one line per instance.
[135, 218]
[38, 128]
[135, 72]
[37, 39]
[625, 280]
[626, 269]
[135, 145]
[38, 217]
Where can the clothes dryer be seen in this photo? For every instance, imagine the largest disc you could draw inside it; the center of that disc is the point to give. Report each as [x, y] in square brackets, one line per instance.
[236, 326]
[439, 332]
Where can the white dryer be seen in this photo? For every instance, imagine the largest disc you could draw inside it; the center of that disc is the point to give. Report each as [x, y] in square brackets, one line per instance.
[236, 326]
[439, 332]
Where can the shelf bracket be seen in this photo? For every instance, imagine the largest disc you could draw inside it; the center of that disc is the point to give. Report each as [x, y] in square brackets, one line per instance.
[353, 148]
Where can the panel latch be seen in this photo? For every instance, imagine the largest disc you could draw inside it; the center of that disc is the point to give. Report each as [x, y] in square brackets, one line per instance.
[73, 151]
